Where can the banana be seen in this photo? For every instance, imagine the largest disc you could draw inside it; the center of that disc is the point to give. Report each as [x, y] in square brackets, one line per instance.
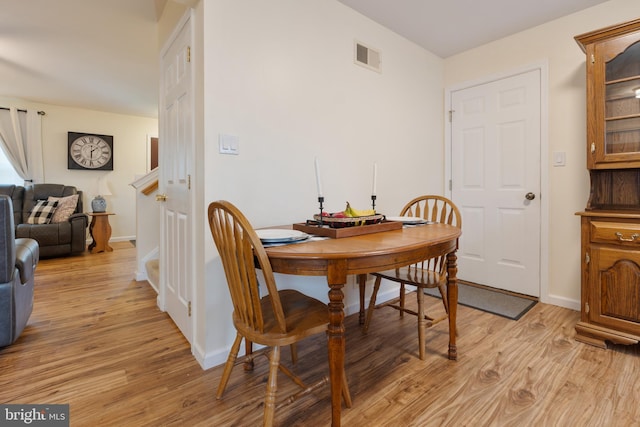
[351, 212]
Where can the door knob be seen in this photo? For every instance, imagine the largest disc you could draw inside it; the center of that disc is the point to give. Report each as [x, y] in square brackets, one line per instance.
[161, 197]
[528, 196]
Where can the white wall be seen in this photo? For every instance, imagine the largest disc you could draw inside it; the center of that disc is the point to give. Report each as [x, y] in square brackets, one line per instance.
[280, 75]
[130, 153]
[569, 186]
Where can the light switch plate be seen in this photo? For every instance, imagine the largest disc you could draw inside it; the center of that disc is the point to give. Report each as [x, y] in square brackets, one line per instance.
[559, 158]
[229, 144]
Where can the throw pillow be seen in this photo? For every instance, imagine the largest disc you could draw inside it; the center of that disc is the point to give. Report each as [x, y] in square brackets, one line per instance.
[66, 207]
[42, 212]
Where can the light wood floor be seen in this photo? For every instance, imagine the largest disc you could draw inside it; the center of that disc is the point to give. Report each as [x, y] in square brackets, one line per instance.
[97, 341]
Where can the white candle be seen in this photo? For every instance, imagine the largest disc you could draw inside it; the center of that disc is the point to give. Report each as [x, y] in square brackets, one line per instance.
[375, 177]
[318, 182]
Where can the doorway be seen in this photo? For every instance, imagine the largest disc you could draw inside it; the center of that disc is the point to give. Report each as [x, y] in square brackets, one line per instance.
[496, 147]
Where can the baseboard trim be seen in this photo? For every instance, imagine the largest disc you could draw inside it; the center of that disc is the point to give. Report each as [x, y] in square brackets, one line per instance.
[561, 302]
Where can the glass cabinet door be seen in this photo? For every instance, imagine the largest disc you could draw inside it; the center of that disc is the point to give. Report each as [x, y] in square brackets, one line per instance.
[622, 102]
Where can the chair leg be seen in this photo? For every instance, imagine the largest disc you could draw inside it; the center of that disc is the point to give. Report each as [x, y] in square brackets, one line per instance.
[445, 301]
[294, 353]
[272, 387]
[345, 390]
[422, 323]
[248, 350]
[402, 299]
[231, 360]
[372, 304]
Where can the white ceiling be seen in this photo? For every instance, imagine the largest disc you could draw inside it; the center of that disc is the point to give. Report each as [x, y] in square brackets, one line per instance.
[102, 54]
[94, 54]
[448, 27]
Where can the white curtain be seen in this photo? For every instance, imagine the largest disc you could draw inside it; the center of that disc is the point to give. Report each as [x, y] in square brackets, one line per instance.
[21, 141]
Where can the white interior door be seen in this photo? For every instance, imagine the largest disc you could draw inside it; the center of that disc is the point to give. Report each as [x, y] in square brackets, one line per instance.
[176, 161]
[495, 171]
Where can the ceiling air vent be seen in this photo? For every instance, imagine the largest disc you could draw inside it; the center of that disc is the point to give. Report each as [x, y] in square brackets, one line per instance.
[367, 57]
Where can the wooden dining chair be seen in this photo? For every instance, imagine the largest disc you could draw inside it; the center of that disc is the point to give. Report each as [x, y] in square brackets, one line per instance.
[279, 318]
[431, 273]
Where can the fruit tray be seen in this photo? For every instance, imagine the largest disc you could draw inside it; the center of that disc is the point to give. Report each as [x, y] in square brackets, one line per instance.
[312, 227]
[349, 221]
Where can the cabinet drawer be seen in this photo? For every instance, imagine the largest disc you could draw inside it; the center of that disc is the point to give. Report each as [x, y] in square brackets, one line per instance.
[615, 232]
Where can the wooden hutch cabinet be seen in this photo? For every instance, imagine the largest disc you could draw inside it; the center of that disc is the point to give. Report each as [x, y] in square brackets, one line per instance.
[610, 224]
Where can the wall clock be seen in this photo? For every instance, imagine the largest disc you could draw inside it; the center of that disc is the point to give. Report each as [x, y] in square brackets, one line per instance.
[90, 151]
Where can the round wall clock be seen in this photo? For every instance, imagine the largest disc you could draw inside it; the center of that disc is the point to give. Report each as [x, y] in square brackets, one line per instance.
[90, 151]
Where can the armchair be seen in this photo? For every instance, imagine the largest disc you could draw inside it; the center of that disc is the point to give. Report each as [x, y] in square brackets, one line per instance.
[16, 194]
[18, 260]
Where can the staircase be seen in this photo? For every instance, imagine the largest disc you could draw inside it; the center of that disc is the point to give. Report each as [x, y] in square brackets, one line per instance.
[153, 272]
[147, 228]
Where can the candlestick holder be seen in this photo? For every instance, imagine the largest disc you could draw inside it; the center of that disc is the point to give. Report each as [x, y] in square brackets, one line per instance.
[320, 201]
[373, 203]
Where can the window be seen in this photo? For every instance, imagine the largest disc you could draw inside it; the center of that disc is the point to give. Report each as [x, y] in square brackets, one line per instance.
[8, 175]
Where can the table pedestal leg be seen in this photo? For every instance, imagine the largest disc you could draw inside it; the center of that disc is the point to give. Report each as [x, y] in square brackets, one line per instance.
[452, 297]
[336, 278]
[362, 283]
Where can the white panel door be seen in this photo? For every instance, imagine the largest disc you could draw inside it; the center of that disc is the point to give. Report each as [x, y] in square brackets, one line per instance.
[495, 155]
[176, 161]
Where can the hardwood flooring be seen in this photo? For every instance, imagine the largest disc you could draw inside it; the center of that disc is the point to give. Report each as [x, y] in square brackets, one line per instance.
[97, 341]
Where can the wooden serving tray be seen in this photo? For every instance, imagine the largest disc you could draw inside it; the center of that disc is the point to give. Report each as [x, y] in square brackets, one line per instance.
[337, 233]
[349, 221]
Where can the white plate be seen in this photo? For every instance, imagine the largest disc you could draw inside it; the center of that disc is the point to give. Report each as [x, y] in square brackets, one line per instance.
[407, 219]
[275, 235]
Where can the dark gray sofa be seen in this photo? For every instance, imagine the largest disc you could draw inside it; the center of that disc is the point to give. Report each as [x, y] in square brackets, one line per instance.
[66, 238]
[18, 261]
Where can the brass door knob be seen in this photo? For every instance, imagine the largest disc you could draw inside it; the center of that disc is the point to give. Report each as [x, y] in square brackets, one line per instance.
[161, 197]
[530, 196]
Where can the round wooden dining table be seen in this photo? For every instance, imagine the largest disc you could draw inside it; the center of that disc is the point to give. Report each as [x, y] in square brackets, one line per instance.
[367, 253]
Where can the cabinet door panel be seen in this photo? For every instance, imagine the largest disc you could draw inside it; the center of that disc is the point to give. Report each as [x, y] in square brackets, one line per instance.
[615, 301]
[614, 110]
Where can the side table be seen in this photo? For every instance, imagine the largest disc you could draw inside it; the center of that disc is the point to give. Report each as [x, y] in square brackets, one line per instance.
[100, 231]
